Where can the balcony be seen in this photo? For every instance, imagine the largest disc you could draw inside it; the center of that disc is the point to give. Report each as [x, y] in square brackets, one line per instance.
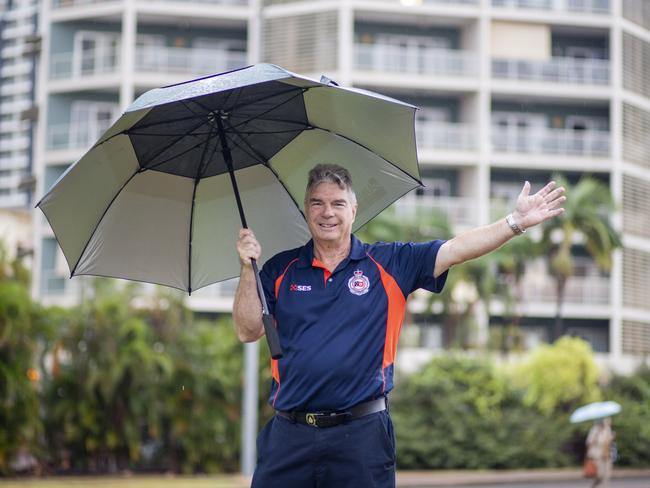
[458, 210]
[71, 3]
[592, 290]
[90, 64]
[397, 59]
[446, 136]
[158, 60]
[577, 6]
[417, 3]
[567, 142]
[557, 70]
[76, 136]
[187, 61]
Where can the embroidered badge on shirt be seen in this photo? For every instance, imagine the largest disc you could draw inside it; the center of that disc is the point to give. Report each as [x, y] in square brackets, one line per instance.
[359, 284]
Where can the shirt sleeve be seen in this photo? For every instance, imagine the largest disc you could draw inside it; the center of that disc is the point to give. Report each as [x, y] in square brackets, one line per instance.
[413, 265]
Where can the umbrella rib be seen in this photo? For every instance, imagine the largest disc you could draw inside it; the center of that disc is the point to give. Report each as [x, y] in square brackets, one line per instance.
[167, 146]
[154, 134]
[197, 178]
[299, 91]
[130, 130]
[266, 164]
[259, 116]
[154, 124]
[284, 121]
[371, 151]
[138, 171]
[253, 152]
[151, 134]
[176, 155]
[248, 132]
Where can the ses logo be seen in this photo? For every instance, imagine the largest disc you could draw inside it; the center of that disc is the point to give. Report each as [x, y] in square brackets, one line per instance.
[294, 287]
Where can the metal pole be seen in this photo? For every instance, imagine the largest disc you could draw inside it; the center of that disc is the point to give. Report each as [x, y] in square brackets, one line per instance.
[251, 349]
[249, 407]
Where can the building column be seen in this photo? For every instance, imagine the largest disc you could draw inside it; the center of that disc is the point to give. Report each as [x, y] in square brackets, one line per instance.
[345, 43]
[616, 179]
[127, 54]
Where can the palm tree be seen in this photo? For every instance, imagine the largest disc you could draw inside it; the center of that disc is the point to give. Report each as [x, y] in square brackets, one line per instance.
[468, 285]
[587, 209]
[511, 261]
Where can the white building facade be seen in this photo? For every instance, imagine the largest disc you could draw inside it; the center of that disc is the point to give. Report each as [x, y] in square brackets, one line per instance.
[509, 90]
[19, 45]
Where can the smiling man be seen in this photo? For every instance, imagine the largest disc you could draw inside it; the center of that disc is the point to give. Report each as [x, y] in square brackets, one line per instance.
[339, 305]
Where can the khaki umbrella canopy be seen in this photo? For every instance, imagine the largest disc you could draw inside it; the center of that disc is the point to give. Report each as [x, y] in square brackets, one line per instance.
[161, 196]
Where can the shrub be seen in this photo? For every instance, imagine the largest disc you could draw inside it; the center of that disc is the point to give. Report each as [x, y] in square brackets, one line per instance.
[559, 377]
[460, 413]
[632, 426]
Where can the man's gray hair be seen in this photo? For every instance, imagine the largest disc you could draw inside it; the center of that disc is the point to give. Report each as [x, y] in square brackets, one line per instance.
[330, 173]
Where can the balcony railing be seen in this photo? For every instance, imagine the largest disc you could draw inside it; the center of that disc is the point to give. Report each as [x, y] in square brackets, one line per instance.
[190, 61]
[581, 6]
[441, 135]
[413, 3]
[557, 70]
[172, 60]
[551, 141]
[593, 290]
[70, 3]
[75, 136]
[459, 211]
[396, 59]
[69, 65]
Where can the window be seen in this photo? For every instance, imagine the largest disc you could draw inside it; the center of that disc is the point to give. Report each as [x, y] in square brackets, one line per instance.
[89, 120]
[95, 52]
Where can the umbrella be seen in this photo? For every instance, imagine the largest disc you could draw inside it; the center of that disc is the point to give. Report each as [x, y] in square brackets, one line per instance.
[595, 411]
[161, 195]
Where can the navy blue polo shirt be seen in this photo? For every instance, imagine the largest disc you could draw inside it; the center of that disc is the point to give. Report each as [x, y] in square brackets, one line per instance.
[339, 330]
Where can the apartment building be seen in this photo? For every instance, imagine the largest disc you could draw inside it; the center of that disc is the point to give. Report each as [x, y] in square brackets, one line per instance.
[509, 90]
[19, 47]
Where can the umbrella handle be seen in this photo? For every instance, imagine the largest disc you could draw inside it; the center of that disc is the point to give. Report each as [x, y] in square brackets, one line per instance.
[270, 330]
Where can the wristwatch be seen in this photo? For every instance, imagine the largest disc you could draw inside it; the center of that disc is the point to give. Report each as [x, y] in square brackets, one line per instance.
[514, 225]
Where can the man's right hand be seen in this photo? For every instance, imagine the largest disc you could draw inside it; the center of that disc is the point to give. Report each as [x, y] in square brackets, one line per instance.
[248, 247]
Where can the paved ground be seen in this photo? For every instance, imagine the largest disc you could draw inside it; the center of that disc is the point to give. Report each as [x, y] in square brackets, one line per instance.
[567, 478]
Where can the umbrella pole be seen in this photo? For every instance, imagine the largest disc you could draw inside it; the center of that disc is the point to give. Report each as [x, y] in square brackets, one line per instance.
[269, 324]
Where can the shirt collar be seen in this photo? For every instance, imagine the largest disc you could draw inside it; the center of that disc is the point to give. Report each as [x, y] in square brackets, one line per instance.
[306, 255]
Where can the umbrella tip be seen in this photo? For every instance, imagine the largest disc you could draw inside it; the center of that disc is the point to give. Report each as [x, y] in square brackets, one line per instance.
[328, 81]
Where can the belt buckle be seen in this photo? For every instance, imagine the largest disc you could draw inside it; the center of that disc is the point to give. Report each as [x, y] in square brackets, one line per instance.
[312, 418]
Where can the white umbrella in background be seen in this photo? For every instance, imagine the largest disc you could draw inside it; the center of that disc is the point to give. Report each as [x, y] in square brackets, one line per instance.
[595, 411]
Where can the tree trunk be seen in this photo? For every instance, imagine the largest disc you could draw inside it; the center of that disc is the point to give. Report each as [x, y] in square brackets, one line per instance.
[558, 328]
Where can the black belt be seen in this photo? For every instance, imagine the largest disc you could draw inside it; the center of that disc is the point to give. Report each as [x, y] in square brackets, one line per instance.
[330, 419]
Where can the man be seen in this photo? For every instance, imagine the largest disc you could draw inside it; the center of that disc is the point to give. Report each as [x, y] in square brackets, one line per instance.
[339, 306]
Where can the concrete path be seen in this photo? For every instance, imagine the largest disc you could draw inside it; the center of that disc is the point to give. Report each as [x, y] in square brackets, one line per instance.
[513, 478]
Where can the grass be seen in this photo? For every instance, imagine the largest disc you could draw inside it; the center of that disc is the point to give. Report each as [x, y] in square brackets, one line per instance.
[222, 481]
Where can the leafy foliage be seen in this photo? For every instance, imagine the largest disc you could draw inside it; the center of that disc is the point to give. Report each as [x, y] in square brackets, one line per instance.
[559, 377]
[460, 413]
[19, 325]
[105, 384]
[631, 425]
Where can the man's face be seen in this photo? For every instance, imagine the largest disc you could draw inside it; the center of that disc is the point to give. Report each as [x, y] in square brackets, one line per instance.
[330, 212]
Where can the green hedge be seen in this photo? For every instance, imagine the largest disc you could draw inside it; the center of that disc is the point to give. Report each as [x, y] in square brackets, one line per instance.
[460, 413]
[105, 387]
[463, 413]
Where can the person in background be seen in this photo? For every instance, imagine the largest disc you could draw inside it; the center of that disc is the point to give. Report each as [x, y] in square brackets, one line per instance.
[599, 450]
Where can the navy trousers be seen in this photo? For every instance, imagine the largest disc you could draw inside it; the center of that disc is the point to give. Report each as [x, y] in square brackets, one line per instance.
[357, 454]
